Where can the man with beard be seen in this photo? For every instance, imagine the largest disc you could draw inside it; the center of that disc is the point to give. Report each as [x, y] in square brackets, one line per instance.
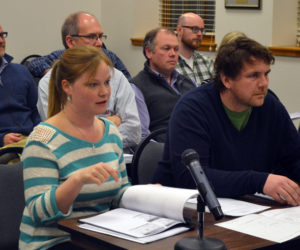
[191, 63]
[243, 135]
[159, 86]
[18, 98]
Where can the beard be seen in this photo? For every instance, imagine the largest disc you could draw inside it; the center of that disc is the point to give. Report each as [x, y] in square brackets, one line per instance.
[2, 51]
[191, 43]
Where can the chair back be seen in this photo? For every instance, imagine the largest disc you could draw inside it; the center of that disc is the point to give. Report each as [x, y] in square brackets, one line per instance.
[12, 203]
[146, 157]
[8, 154]
[27, 59]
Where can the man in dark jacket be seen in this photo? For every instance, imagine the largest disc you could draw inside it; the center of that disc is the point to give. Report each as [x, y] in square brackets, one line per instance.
[159, 86]
[18, 98]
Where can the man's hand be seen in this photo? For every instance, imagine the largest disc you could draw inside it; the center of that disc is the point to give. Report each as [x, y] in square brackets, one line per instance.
[282, 189]
[115, 119]
[11, 138]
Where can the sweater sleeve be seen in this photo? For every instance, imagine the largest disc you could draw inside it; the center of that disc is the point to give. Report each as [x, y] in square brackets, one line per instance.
[41, 178]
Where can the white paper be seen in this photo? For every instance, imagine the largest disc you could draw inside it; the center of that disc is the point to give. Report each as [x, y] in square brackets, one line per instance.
[159, 200]
[295, 115]
[131, 223]
[232, 207]
[268, 228]
[291, 214]
[142, 240]
[128, 158]
[145, 210]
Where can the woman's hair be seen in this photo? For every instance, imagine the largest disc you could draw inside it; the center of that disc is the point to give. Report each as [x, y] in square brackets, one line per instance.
[73, 63]
[231, 37]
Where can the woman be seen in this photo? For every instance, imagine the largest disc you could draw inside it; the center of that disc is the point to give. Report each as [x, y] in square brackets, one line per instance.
[73, 162]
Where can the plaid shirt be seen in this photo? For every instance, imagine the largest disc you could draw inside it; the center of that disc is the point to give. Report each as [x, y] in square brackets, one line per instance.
[202, 68]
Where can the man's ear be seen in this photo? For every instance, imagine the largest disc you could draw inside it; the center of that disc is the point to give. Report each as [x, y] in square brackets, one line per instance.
[148, 52]
[226, 81]
[179, 30]
[67, 87]
[70, 41]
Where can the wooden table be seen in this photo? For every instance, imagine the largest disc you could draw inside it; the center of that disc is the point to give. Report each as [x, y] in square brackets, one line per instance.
[232, 239]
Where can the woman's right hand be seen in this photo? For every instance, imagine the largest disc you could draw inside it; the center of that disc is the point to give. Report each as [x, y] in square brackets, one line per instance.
[97, 174]
[67, 192]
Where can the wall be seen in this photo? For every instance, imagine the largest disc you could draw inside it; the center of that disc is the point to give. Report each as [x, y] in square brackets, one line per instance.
[132, 18]
[34, 25]
[263, 25]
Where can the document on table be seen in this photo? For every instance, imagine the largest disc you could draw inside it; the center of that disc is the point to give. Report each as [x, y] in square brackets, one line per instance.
[146, 213]
[142, 240]
[278, 225]
[132, 223]
[232, 207]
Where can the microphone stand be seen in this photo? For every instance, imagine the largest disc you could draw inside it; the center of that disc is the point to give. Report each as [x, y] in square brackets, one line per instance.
[200, 242]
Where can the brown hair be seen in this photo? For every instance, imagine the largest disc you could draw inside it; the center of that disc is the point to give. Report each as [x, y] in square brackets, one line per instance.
[73, 63]
[231, 57]
[150, 39]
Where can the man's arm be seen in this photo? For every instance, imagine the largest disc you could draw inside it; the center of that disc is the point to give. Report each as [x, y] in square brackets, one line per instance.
[143, 111]
[43, 94]
[188, 128]
[125, 108]
[117, 63]
[39, 66]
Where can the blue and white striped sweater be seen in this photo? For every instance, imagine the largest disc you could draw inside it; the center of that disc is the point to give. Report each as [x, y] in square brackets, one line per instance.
[49, 158]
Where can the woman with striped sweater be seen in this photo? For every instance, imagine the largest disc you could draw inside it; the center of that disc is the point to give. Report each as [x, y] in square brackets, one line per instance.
[73, 162]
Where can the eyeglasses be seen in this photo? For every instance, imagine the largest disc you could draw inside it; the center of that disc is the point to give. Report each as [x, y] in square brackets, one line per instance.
[92, 37]
[195, 29]
[3, 34]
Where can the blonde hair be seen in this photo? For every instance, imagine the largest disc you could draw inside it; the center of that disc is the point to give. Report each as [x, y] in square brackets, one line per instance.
[73, 63]
[231, 37]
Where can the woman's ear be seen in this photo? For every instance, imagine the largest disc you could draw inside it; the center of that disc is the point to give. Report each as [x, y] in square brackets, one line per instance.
[67, 87]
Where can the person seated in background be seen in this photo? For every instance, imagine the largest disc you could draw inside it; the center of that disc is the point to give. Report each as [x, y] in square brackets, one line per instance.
[159, 86]
[73, 162]
[83, 29]
[39, 66]
[18, 98]
[191, 63]
[230, 37]
[244, 136]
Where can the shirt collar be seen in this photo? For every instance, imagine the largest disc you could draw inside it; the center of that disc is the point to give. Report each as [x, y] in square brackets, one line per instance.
[3, 65]
[174, 75]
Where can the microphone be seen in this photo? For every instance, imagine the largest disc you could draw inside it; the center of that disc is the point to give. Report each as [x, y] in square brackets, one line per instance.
[190, 158]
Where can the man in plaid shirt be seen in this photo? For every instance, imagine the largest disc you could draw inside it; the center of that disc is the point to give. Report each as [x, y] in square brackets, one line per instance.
[191, 63]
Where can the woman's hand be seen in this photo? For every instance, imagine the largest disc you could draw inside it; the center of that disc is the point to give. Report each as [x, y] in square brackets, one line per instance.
[67, 192]
[98, 174]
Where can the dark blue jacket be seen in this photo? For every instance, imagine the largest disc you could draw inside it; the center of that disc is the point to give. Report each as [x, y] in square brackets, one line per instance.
[18, 98]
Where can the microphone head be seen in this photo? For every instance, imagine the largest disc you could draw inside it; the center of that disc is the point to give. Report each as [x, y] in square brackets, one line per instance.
[188, 156]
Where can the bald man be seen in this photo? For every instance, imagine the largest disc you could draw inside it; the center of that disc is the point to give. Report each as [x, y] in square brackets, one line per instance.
[84, 29]
[191, 63]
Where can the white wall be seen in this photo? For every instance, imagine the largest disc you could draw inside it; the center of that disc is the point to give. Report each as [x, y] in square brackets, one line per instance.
[132, 18]
[34, 27]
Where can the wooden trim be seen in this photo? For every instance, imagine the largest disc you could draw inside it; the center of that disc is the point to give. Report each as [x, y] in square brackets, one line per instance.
[291, 51]
[208, 43]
